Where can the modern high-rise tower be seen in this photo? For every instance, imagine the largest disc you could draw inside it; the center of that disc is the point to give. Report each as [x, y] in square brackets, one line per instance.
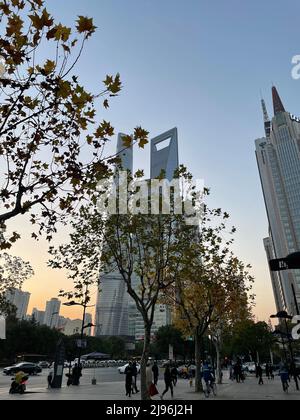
[52, 313]
[278, 158]
[20, 300]
[116, 312]
[112, 301]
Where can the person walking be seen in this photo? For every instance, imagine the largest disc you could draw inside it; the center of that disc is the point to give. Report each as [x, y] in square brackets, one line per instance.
[268, 371]
[155, 372]
[231, 374]
[128, 379]
[149, 378]
[168, 382]
[134, 378]
[174, 374]
[260, 375]
[271, 372]
[50, 379]
[75, 375]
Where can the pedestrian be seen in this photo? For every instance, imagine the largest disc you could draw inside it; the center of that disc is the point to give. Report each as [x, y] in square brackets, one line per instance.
[149, 377]
[134, 377]
[155, 372]
[75, 375]
[168, 382]
[174, 374]
[260, 375]
[268, 371]
[271, 372]
[236, 371]
[128, 379]
[50, 379]
[231, 374]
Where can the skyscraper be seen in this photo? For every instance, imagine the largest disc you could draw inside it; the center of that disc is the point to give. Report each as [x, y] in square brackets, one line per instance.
[39, 316]
[20, 300]
[278, 158]
[112, 301]
[116, 312]
[52, 313]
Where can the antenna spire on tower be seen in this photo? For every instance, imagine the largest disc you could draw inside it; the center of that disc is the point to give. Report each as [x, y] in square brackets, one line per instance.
[277, 103]
[267, 120]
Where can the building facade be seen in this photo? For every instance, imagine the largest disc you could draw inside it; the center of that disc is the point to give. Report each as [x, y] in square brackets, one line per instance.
[278, 158]
[52, 313]
[73, 326]
[20, 300]
[38, 316]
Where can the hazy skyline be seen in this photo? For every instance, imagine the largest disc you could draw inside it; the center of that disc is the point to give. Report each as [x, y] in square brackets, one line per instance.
[199, 67]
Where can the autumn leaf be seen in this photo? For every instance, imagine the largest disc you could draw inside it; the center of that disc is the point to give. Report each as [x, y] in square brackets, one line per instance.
[127, 141]
[49, 67]
[141, 136]
[15, 24]
[85, 25]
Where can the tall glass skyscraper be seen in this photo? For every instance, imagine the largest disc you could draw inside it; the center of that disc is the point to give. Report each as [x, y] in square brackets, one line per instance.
[278, 157]
[116, 311]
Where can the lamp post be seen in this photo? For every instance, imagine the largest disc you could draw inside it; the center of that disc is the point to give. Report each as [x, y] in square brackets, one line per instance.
[83, 327]
[284, 316]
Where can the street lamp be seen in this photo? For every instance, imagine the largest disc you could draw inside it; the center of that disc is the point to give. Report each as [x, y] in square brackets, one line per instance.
[83, 327]
[283, 315]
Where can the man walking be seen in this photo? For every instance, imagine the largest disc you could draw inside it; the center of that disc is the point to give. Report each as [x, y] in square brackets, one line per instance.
[128, 380]
[155, 372]
[260, 375]
[168, 382]
[134, 375]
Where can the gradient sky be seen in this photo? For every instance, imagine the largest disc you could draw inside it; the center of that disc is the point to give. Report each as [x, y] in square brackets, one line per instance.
[200, 66]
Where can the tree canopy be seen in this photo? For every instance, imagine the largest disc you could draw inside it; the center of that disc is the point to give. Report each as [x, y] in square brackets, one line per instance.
[52, 139]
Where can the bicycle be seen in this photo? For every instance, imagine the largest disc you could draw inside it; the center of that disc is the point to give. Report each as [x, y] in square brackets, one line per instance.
[285, 378]
[285, 386]
[211, 388]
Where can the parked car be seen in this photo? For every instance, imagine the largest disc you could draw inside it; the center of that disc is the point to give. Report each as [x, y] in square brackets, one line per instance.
[44, 365]
[29, 368]
[123, 368]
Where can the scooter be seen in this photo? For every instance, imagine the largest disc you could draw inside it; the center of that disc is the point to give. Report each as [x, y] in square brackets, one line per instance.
[18, 388]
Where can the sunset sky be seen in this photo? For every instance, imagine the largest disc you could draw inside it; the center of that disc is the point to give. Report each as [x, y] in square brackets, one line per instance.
[199, 66]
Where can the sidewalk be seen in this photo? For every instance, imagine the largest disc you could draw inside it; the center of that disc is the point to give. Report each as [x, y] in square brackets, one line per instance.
[115, 391]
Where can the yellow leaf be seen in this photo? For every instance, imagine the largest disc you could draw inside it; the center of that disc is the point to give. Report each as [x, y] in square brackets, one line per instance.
[85, 25]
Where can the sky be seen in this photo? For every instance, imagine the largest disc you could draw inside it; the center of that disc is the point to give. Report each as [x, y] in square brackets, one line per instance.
[201, 66]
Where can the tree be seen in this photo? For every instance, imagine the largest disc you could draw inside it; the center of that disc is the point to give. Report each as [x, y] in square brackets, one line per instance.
[146, 249]
[250, 339]
[13, 272]
[166, 336]
[25, 337]
[211, 284]
[51, 138]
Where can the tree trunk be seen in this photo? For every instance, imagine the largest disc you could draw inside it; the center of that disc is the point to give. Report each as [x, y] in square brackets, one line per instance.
[198, 380]
[145, 357]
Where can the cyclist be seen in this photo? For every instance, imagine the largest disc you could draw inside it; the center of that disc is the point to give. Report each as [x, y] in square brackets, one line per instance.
[209, 379]
[285, 377]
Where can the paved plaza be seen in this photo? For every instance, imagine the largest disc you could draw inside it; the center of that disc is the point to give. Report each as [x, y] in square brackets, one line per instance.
[115, 390]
